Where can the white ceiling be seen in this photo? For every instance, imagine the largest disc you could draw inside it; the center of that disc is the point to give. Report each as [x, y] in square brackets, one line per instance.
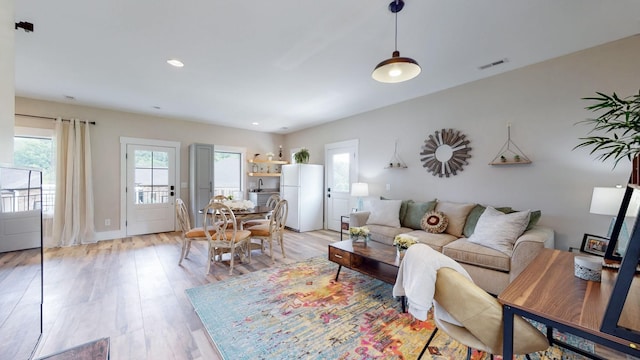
[287, 64]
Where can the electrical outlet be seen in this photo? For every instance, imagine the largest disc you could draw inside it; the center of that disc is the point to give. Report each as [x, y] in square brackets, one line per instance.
[107, 222]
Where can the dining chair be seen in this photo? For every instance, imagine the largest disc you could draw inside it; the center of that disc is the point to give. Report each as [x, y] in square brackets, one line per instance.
[218, 198]
[221, 230]
[273, 228]
[272, 201]
[480, 316]
[188, 234]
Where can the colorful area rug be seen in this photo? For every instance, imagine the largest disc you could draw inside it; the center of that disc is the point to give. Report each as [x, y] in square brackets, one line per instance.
[298, 311]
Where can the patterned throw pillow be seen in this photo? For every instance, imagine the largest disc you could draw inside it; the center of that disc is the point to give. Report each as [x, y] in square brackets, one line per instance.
[434, 222]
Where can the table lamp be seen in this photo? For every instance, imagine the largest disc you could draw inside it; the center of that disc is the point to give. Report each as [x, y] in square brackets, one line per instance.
[607, 201]
[359, 190]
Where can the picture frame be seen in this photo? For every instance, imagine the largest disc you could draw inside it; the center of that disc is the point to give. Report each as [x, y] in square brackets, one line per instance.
[593, 244]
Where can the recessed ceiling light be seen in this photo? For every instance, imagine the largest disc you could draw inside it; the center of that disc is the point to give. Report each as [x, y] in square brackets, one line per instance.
[255, 123]
[175, 62]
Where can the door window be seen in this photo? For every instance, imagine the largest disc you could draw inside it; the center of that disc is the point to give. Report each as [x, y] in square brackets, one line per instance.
[151, 177]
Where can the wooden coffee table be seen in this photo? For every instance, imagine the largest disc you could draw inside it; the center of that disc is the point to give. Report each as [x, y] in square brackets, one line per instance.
[374, 259]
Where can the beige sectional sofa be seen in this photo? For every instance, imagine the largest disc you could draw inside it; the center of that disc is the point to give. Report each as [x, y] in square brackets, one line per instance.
[491, 266]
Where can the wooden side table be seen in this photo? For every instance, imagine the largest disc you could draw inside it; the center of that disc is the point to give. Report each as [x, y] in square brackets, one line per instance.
[547, 291]
[344, 225]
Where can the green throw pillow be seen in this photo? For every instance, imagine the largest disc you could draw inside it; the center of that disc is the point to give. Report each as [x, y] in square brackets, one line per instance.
[403, 208]
[534, 216]
[415, 212]
[474, 215]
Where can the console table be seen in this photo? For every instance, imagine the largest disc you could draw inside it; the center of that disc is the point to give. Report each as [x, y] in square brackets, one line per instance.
[547, 291]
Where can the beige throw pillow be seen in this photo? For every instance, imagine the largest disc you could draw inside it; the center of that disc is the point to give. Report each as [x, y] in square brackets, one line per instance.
[456, 214]
[499, 231]
[384, 212]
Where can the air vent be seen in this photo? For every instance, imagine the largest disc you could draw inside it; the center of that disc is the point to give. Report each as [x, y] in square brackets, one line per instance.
[492, 64]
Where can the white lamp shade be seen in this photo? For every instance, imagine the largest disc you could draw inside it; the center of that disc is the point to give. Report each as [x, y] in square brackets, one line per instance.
[359, 189]
[607, 201]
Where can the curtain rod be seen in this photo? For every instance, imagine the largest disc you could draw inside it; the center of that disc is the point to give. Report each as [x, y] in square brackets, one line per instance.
[52, 118]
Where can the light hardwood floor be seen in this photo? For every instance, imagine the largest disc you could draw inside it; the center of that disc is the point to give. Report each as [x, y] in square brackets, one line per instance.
[132, 290]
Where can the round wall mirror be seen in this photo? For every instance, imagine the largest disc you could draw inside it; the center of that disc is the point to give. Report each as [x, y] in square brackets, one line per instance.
[445, 152]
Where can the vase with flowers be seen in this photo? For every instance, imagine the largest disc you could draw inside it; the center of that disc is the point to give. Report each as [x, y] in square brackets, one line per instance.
[357, 232]
[402, 243]
[269, 156]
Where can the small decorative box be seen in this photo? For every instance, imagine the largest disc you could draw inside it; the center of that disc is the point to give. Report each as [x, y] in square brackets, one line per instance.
[588, 267]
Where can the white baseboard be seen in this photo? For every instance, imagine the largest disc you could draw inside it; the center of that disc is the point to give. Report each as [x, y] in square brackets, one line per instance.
[109, 235]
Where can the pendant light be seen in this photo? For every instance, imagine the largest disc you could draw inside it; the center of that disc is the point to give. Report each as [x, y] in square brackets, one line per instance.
[396, 69]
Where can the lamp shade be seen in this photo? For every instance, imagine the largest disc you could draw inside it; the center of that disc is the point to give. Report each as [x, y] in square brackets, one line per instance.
[359, 189]
[607, 201]
[396, 69]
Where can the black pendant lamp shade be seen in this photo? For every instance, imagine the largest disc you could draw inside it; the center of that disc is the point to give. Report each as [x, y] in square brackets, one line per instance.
[396, 69]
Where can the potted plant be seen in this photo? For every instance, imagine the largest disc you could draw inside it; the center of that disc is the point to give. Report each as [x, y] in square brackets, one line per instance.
[302, 156]
[619, 122]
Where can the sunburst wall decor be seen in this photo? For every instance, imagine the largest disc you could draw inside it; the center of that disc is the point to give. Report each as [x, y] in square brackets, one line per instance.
[445, 152]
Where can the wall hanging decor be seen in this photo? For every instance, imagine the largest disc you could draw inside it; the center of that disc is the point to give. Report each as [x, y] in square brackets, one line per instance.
[510, 153]
[445, 152]
[396, 162]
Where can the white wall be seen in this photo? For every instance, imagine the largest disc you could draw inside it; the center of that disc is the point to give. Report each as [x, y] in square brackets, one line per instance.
[7, 92]
[543, 103]
[105, 140]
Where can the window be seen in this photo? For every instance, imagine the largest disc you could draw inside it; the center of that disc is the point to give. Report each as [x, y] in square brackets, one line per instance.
[34, 152]
[152, 177]
[228, 169]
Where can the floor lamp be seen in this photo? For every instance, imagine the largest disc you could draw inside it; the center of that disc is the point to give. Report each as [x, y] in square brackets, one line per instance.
[359, 190]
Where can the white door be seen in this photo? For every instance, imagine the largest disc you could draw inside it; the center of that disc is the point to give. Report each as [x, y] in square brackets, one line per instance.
[342, 169]
[150, 189]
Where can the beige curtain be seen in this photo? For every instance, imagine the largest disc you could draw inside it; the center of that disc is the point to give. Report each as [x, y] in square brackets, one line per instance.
[73, 208]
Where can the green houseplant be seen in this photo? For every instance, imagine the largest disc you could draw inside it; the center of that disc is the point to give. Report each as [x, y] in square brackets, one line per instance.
[619, 122]
[302, 156]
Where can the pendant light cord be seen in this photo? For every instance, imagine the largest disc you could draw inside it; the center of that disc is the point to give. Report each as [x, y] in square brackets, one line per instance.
[396, 39]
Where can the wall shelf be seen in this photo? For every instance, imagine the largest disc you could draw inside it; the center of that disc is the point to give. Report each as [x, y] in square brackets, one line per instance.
[273, 162]
[395, 162]
[507, 155]
[521, 162]
[264, 174]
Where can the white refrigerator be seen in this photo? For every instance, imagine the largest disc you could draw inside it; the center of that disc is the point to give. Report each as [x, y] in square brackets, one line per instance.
[302, 186]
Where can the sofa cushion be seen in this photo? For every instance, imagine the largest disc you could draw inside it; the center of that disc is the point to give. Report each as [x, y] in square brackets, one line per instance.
[464, 251]
[500, 231]
[385, 234]
[435, 241]
[415, 212]
[456, 214]
[434, 222]
[384, 212]
[474, 215]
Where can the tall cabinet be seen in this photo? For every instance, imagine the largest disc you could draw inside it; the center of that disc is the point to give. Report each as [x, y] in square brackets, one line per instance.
[200, 179]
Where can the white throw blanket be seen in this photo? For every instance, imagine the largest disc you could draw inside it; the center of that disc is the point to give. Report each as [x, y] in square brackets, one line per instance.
[417, 280]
